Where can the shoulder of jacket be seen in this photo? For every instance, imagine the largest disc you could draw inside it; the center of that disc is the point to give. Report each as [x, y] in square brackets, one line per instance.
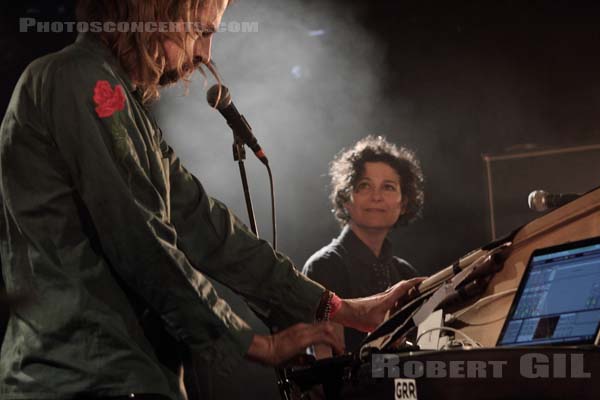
[326, 258]
[72, 67]
[71, 58]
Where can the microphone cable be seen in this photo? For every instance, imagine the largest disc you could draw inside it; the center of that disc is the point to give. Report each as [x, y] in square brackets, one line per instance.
[273, 214]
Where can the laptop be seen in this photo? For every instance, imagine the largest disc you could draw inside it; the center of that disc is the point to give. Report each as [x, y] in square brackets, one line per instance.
[558, 300]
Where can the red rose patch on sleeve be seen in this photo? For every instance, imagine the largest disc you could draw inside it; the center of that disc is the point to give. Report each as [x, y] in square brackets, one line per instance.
[107, 100]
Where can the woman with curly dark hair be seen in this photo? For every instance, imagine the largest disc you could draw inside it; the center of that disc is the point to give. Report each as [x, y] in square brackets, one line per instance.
[375, 187]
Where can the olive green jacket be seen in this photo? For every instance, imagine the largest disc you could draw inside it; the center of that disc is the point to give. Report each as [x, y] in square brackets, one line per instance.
[100, 221]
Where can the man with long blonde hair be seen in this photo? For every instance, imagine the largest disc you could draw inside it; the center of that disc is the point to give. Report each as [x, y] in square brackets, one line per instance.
[102, 226]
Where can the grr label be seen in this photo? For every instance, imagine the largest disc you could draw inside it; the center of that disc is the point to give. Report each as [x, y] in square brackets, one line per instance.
[405, 389]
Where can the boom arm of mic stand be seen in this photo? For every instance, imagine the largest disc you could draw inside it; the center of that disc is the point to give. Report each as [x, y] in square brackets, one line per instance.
[445, 274]
[450, 288]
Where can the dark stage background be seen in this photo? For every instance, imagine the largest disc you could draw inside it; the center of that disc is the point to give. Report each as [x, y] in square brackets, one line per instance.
[451, 80]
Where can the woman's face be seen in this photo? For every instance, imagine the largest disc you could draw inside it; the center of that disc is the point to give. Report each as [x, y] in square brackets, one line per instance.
[376, 201]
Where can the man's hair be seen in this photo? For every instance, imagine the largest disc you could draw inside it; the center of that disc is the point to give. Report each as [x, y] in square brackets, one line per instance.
[139, 51]
[348, 167]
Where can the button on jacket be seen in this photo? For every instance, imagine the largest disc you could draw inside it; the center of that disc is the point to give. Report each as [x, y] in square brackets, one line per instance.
[100, 221]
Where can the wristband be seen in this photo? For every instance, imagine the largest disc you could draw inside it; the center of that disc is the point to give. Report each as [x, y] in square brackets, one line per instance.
[336, 305]
[329, 305]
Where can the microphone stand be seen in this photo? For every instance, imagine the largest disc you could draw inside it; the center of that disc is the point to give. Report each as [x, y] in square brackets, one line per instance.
[239, 155]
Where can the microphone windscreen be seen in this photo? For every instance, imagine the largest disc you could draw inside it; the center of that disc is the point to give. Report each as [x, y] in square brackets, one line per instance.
[537, 200]
[218, 99]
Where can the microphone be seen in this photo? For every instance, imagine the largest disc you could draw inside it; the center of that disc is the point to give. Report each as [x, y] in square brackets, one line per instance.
[540, 200]
[234, 119]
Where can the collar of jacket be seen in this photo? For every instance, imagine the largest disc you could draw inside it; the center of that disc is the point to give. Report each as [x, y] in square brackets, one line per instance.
[357, 248]
[92, 43]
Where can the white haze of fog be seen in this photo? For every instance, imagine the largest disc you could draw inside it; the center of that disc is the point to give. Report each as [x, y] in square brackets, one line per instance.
[308, 83]
[305, 95]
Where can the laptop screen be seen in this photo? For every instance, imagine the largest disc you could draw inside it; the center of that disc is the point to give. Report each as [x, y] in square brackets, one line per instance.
[558, 301]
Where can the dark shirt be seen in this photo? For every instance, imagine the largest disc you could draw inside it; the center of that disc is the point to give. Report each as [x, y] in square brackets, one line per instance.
[349, 268]
[96, 211]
